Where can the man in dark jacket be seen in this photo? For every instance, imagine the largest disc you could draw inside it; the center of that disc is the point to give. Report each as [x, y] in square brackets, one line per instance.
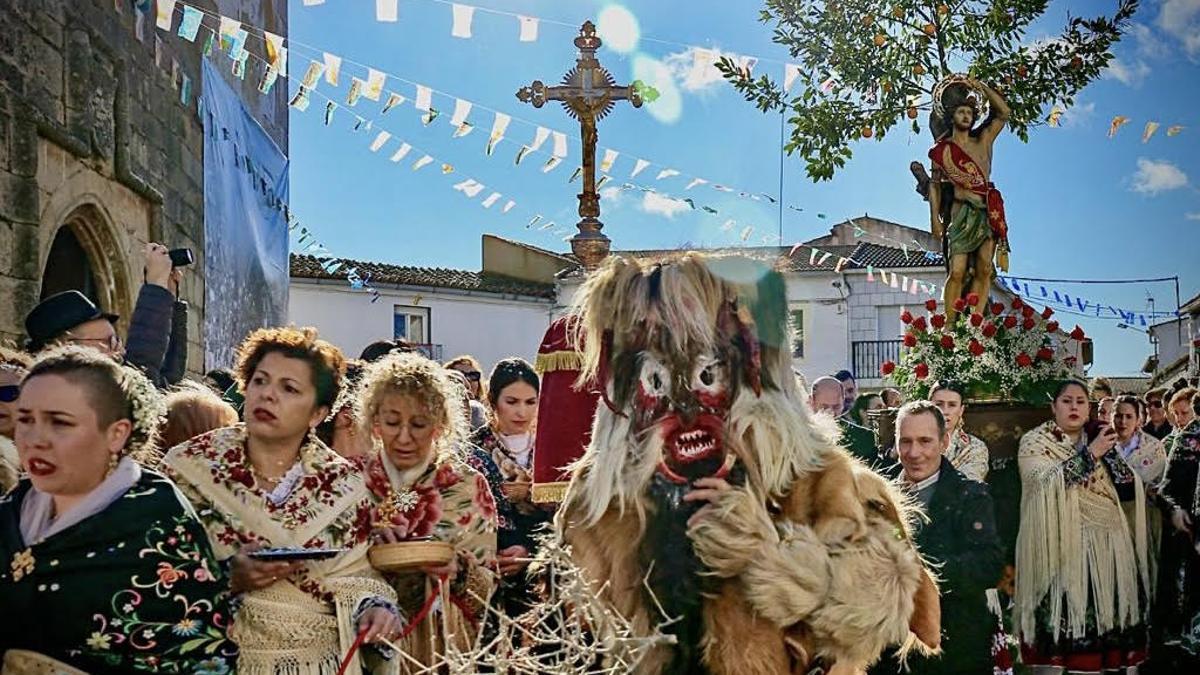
[959, 538]
[157, 341]
[828, 396]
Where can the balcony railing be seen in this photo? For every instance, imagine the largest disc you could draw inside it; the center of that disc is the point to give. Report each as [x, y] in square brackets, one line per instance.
[868, 355]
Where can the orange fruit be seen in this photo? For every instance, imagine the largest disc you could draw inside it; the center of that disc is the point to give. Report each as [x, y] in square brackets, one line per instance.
[1022, 71]
[887, 87]
[929, 29]
[943, 9]
[898, 13]
[918, 69]
[880, 39]
[1076, 62]
[867, 132]
[868, 19]
[912, 113]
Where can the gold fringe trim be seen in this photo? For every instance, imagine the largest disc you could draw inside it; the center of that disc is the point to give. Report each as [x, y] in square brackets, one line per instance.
[549, 493]
[564, 360]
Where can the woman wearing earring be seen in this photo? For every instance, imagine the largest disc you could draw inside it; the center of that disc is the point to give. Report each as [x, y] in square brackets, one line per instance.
[103, 566]
[968, 453]
[505, 457]
[422, 488]
[270, 483]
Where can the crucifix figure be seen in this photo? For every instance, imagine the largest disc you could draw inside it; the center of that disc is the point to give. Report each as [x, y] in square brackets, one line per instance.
[588, 92]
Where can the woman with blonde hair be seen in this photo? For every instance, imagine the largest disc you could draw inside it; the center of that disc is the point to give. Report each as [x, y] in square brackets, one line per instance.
[271, 483]
[13, 366]
[422, 488]
[192, 410]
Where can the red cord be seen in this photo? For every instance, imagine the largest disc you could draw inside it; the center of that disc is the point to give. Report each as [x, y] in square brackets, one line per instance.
[425, 609]
[362, 635]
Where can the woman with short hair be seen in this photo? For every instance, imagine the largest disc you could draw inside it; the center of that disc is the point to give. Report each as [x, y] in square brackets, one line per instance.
[103, 566]
[421, 487]
[1082, 571]
[271, 483]
[505, 457]
[193, 409]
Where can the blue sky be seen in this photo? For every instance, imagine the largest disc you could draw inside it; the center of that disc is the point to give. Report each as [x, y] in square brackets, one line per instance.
[1079, 204]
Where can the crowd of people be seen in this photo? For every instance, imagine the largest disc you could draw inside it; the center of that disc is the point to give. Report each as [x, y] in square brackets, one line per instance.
[141, 509]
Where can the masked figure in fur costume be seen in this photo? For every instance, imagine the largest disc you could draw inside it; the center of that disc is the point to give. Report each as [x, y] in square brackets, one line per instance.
[711, 504]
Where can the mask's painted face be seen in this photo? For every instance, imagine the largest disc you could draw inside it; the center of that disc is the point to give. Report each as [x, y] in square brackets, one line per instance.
[685, 402]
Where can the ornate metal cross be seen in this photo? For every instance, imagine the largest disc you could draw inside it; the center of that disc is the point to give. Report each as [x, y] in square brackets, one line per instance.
[588, 92]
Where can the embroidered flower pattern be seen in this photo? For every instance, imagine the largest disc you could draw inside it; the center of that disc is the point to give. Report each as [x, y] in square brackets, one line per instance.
[22, 564]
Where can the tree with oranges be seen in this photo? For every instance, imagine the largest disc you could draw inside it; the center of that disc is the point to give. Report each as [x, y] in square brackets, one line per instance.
[866, 66]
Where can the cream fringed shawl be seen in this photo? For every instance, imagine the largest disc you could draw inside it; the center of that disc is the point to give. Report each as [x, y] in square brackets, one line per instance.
[301, 625]
[1075, 542]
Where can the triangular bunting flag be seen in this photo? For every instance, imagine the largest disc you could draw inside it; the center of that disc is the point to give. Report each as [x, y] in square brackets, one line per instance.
[638, 167]
[329, 107]
[401, 152]
[695, 182]
[508, 206]
[424, 161]
[1151, 127]
[499, 128]
[666, 173]
[312, 74]
[356, 88]
[393, 100]
[379, 141]
[333, 66]
[491, 199]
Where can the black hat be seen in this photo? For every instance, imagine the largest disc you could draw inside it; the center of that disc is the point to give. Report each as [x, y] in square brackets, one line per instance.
[58, 314]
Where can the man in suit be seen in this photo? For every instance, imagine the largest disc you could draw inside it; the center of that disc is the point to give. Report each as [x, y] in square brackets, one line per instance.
[828, 396]
[959, 538]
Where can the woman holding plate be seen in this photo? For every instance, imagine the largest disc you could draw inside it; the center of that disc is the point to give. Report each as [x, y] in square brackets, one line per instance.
[422, 490]
[272, 483]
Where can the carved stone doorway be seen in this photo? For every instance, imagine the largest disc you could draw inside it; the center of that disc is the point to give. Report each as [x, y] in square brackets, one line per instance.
[86, 256]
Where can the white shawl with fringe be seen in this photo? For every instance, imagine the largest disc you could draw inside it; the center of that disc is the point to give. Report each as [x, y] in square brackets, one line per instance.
[1075, 542]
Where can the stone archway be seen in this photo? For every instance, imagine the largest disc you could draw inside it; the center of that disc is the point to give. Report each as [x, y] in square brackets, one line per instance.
[86, 255]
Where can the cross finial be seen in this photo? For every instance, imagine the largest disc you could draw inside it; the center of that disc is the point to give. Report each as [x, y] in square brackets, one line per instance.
[588, 92]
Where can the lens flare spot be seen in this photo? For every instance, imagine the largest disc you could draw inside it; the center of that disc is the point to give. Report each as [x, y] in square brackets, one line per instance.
[618, 28]
[669, 105]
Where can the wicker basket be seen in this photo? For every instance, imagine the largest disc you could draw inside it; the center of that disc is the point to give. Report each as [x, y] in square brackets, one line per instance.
[22, 662]
[410, 555]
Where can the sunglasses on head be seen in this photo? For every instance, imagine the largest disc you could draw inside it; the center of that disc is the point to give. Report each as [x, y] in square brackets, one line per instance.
[473, 375]
[10, 392]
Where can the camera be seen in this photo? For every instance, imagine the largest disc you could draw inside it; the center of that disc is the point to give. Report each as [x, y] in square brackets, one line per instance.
[181, 257]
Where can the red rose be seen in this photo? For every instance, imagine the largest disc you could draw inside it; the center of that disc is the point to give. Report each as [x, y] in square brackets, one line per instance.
[997, 308]
[931, 305]
[910, 340]
[975, 347]
[446, 476]
[921, 371]
[960, 305]
[1024, 360]
[888, 367]
[972, 299]
[976, 320]
[938, 320]
[1045, 353]
[1028, 324]
[1027, 311]
[1052, 327]
[1047, 313]
[483, 499]
[947, 342]
[1077, 334]
[919, 323]
[1017, 304]
[1010, 322]
[906, 316]
[989, 330]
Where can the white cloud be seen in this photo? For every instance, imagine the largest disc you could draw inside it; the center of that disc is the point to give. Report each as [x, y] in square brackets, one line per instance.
[611, 195]
[1149, 44]
[1079, 115]
[695, 68]
[1181, 19]
[1194, 215]
[1131, 74]
[653, 202]
[1153, 177]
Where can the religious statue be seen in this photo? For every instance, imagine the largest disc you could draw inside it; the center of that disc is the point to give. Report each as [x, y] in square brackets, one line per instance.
[965, 208]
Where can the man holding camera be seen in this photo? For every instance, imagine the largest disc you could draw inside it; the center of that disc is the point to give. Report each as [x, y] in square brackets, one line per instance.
[157, 342]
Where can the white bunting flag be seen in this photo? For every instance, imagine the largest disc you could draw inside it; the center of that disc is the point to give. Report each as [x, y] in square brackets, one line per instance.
[462, 20]
[276, 52]
[840, 264]
[401, 152]
[695, 182]
[508, 206]
[499, 128]
[824, 257]
[425, 160]
[791, 71]
[424, 100]
[461, 110]
[812, 257]
[551, 164]
[374, 85]
[667, 173]
[638, 167]
[387, 10]
[463, 129]
[356, 87]
[529, 28]
[539, 137]
[747, 232]
[894, 284]
[912, 287]
[312, 74]
[610, 156]
[702, 61]
[310, 3]
[166, 11]
[491, 200]
[333, 66]
[560, 144]
[903, 284]
[393, 100]
[470, 187]
[379, 141]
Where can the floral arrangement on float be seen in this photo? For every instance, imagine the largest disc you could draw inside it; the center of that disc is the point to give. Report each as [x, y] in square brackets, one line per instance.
[1007, 352]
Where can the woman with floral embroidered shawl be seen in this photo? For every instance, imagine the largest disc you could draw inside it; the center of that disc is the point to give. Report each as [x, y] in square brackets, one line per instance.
[272, 483]
[1083, 577]
[103, 565]
[421, 487]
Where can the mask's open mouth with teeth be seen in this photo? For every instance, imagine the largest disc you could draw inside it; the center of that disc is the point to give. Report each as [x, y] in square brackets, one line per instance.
[696, 451]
